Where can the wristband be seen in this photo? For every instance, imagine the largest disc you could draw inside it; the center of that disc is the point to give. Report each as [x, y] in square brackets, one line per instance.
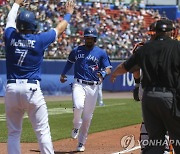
[67, 17]
[137, 80]
[103, 74]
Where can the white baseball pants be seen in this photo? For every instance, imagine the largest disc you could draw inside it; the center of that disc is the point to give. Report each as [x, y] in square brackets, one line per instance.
[84, 99]
[20, 97]
[100, 96]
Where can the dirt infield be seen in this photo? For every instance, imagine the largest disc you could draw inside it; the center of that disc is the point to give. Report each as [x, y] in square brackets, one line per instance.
[106, 142]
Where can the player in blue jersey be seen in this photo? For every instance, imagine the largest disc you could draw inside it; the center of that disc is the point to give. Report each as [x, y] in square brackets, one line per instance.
[91, 65]
[24, 55]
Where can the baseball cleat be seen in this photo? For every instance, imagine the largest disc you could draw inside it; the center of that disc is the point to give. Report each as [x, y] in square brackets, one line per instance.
[75, 133]
[102, 104]
[81, 147]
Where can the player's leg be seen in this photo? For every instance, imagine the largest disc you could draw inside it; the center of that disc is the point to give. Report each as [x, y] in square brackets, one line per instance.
[173, 125]
[168, 145]
[14, 117]
[144, 140]
[171, 150]
[100, 96]
[78, 97]
[39, 120]
[143, 136]
[89, 106]
[38, 115]
[153, 120]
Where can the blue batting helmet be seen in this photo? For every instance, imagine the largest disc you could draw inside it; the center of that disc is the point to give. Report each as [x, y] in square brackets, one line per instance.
[91, 32]
[26, 20]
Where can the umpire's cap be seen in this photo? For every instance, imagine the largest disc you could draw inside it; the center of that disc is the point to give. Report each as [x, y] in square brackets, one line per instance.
[26, 20]
[90, 32]
[164, 25]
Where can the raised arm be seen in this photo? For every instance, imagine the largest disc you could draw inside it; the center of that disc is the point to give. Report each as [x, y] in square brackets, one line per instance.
[63, 24]
[11, 18]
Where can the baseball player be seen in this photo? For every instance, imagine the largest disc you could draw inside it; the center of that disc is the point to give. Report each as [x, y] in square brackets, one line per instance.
[24, 56]
[88, 61]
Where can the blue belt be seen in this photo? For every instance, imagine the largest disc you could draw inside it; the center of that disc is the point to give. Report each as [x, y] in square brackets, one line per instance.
[14, 81]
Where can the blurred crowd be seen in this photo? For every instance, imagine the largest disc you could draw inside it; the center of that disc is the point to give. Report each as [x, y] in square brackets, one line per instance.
[119, 26]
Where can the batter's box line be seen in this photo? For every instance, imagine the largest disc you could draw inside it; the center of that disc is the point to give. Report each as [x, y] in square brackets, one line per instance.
[125, 151]
[55, 152]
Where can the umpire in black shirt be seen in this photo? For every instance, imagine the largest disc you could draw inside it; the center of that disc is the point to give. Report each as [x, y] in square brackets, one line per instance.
[159, 61]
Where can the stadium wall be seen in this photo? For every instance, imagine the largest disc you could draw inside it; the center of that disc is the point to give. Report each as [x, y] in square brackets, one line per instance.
[50, 84]
[170, 12]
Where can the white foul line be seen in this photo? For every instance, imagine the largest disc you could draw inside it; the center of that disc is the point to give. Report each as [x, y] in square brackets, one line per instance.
[125, 151]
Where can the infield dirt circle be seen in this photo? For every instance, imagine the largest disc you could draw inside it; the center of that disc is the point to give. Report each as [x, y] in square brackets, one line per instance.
[106, 142]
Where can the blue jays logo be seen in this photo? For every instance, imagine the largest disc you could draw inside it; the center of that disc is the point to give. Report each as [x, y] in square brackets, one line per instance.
[94, 67]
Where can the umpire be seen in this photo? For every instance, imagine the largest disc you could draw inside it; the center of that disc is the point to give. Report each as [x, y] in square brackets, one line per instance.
[159, 60]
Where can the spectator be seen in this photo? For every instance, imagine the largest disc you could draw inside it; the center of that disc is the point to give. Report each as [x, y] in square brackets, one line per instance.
[127, 25]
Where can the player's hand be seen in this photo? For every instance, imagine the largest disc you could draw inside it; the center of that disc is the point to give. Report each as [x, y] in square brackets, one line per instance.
[100, 77]
[70, 4]
[63, 78]
[19, 2]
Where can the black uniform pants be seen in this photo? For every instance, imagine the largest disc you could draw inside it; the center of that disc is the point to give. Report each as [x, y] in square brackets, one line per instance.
[158, 118]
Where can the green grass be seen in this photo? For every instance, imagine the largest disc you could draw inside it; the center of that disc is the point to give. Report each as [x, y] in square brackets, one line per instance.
[116, 113]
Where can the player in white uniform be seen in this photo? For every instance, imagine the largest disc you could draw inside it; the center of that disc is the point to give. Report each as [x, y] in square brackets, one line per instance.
[24, 56]
[88, 62]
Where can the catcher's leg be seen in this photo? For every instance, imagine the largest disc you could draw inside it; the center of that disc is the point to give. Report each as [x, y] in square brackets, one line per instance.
[171, 150]
[143, 136]
[168, 146]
